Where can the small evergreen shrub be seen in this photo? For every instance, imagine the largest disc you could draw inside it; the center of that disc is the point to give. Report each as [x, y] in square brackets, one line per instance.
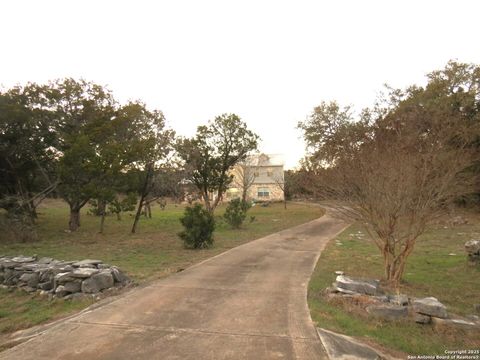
[199, 226]
[236, 212]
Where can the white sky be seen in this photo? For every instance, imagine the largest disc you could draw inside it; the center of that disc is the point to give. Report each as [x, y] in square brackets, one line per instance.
[270, 62]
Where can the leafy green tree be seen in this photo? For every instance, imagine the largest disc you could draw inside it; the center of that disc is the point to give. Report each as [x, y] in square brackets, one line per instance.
[82, 114]
[149, 147]
[210, 156]
[26, 158]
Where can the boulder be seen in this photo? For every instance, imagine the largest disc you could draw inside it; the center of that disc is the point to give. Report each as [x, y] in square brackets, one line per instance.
[63, 277]
[97, 282]
[73, 286]
[11, 277]
[472, 246]
[8, 264]
[337, 289]
[361, 286]
[28, 267]
[422, 319]
[449, 324]
[23, 259]
[103, 266]
[31, 279]
[67, 268]
[430, 306]
[80, 296]
[388, 312]
[474, 318]
[400, 299]
[83, 273]
[86, 262]
[60, 291]
[48, 274]
[382, 298]
[48, 285]
[87, 266]
[45, 260]
[118, 275]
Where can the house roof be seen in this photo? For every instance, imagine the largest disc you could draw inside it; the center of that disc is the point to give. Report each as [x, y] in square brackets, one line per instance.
[266, 160]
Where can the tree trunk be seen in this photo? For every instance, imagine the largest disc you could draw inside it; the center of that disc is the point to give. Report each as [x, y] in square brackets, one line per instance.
[285, 204]
[32, 209]
[216, 201]
[395, 264]
[145, 190]
[75, 207]
[244, 195]
[206, 199]
[147, 210]
[74, 222]
[102, 207]
[138, 214]
[102, 222]
[119, 217]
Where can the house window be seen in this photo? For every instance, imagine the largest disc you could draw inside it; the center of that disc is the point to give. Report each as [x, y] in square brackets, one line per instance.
[263, 192]
[232, 193]
[270, 173]
[256, 174]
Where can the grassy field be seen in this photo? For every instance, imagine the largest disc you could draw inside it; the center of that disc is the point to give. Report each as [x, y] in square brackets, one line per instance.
[153, 252]
[437, 267]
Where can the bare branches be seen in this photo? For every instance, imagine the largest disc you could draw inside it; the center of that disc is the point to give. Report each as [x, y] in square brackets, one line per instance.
[398, 167]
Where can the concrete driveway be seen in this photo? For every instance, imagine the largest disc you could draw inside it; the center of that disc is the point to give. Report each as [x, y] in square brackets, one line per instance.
[247, 303]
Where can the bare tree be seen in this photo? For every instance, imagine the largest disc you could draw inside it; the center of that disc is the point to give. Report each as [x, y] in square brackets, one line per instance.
[400, 166]
[244, 175]
[280, 182]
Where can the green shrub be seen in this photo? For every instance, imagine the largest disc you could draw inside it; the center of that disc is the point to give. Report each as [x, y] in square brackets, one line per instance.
[236, 212]
[199, 226]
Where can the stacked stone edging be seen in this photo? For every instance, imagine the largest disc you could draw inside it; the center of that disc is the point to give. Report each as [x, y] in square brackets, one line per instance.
[60, 279]
[396, 307]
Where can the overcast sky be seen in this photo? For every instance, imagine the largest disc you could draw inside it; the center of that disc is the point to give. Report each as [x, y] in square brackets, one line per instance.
[270, 62]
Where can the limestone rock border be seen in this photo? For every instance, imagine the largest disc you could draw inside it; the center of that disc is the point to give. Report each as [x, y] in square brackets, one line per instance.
[58, 278]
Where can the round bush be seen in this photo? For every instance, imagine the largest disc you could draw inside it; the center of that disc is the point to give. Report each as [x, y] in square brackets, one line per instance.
[236, 212]
[199, 226]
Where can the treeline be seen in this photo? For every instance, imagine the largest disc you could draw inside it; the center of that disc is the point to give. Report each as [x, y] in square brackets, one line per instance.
[72, 139]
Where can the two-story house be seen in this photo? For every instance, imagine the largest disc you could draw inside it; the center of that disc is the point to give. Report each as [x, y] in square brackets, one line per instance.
[260, 178]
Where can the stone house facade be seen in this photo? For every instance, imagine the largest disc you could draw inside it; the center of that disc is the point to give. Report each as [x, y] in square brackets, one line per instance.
[262, 176]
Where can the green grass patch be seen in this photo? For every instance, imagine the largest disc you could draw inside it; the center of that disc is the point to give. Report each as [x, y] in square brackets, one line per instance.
[19, 310]
[153, 252]
[437, 267]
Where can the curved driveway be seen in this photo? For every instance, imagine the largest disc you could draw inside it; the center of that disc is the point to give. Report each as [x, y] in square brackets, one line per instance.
[247, 303]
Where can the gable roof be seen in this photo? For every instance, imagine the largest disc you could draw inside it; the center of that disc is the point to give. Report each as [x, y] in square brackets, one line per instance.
[266, 160]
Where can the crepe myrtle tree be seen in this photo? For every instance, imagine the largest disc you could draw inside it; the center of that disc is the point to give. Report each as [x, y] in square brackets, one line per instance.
[210, 156]
[402, 163]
